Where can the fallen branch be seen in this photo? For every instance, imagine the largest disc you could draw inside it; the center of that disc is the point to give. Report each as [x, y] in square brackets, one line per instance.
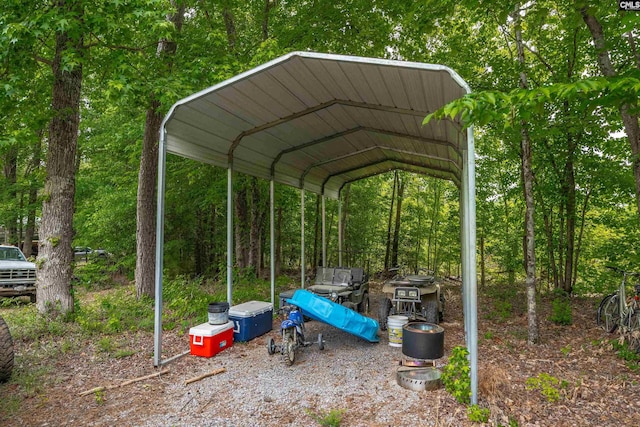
[203, 376]
[109, 387]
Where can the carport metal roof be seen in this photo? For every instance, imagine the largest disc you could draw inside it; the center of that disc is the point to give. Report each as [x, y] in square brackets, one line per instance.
[318, 121]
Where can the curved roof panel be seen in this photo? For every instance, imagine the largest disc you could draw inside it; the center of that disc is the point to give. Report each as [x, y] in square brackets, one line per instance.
[317, 121]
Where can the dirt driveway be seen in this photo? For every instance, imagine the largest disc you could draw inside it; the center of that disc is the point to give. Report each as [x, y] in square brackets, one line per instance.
[351, 377]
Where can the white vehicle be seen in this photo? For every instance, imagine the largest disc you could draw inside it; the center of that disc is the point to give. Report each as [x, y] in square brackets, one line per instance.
[17, 275]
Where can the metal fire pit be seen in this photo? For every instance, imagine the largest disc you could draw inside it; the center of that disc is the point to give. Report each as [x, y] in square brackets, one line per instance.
[422, 340]
[418, 379]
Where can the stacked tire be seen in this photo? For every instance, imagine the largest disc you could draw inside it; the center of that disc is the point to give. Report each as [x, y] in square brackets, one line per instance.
[6, 351]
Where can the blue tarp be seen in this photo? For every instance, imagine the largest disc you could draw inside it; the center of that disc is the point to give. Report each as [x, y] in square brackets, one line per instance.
[341, 317]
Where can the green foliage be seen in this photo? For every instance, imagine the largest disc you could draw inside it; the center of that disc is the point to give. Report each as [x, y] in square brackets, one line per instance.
[550, 387]
[477, 414]
[502, 296]
[95, 275]
[561, 309]
[115, 312]
[26, 324]
[99, 396]
[331, 418]
[628, 354]
[186, 300]
[456, 375]
[512, 423]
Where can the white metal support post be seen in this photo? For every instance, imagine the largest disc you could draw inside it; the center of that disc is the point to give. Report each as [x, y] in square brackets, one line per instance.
[272, 234]
[469, 280]
[157, 325]
[324, 234]
[340, 229]
[302, 272]
[229, 233]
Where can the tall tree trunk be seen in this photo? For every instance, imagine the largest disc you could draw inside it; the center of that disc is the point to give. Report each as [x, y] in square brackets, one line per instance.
[53, 283]
[278, 243]
[254, 232]
[230, 27]
[482, 262]
[527, 176]
[27, 246]
[390, 222]
[345, 216]
[561, 243]
[569, 190]
[146, 206]
[211, 242]
[629, 118]
[316, 233]
[199, 234]
[433, 229]
[580, 234]
[241, 241]
[148, 173]
[396, 231]
[548, 227]
[10, 171]
[268, 5]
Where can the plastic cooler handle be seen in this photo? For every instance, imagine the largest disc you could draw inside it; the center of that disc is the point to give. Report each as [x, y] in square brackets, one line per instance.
[198, 340]
[236, 327]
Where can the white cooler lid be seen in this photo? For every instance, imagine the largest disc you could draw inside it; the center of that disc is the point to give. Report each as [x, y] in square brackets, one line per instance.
[250, 309]
[208, 330]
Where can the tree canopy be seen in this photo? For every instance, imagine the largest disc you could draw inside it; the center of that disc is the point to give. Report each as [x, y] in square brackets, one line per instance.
[579, 104]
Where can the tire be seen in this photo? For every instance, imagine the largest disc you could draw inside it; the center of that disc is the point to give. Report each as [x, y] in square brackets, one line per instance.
[600, 315]
[6, 352]
[430, 310]
[288, 350]
[320, 342]
[611, 314]
[271, 346]
[383, 313]
[364, 306]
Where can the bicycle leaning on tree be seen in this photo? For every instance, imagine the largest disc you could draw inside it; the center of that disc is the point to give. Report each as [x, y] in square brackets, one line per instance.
[615, 310]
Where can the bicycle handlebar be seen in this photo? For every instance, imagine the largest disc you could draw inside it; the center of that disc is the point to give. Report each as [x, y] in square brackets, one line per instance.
[621, 271]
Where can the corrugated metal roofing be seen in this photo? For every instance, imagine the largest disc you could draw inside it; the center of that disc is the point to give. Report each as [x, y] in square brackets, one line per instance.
[317, 121]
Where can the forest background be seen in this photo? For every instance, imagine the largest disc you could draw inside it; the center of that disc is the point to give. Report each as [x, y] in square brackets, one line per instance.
[86, 85]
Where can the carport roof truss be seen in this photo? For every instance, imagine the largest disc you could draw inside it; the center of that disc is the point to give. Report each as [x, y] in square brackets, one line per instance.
[317, 121]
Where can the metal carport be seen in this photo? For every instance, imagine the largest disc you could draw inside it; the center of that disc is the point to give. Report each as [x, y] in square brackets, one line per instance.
[316, 122]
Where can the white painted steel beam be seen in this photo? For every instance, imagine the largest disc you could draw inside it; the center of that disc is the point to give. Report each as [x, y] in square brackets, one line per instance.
[230, 234]
[157, 323]
[272, 240]
[302, 270]
[324, 234]
[340, 229]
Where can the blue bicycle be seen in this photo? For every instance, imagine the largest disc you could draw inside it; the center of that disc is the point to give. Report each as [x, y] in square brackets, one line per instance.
[292, 331]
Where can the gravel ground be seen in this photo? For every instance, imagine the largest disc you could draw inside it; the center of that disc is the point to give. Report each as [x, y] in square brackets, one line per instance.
[350, 374]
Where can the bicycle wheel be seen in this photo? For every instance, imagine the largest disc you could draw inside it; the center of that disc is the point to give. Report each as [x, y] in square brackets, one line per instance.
[600, 314]
[633, 320]
[611, 310]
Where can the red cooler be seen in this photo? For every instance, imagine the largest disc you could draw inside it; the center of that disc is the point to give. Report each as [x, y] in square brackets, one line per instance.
[208, 340]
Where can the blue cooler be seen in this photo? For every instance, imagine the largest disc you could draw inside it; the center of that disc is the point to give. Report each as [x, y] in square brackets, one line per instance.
[251, 319]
